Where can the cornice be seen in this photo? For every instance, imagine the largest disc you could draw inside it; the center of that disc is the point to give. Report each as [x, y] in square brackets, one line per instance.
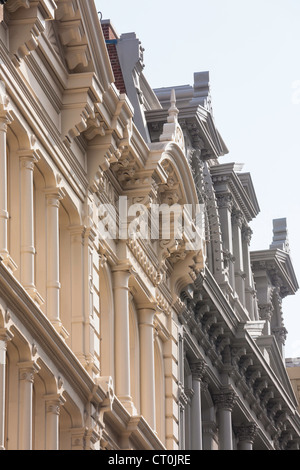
[244, 340]
[226, 179]
[212, 288]
[96, 42]
[277, 364]
[197, 121]
[277, 263]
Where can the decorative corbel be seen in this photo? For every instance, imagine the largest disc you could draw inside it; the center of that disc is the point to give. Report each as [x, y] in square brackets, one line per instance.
[26, 23]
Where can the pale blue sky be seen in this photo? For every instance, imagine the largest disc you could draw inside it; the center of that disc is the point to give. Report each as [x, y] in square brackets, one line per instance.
[252, 51]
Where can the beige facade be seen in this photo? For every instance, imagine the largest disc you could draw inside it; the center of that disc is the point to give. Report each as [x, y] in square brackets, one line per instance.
[293, 370]
[110, 339]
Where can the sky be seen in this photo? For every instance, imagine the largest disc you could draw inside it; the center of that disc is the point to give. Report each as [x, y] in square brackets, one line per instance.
[252, 52]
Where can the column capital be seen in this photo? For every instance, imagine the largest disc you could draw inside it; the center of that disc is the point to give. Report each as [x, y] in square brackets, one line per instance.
[238, 218]
[198, 369]
[246, 432]
[247, 234]
[28, 155]
[54, 403]
[146, 316]
[266, 311]
[54, 196]
[225, 399]
[6, 335]
[5, 120]
[121, 274]
[5, 114]
[122, 266]
[225, 201]
[27, 370]
[280, 334]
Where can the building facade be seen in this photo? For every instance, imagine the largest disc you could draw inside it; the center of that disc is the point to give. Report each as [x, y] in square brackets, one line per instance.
[119, 329]
[293, 370]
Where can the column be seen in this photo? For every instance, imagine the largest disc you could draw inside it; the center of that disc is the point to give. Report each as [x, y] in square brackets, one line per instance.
[249, 284]
[121, 275]
[26, 379]
[5, 336]
[246, 435]
[197, 370]
[147, 370]
[4, 121]
[77, 297]
[237, 224]
[188, 420]
[53, 407]
[27, 161]
[53, 198]
[225, 204]
[224, 401]
[209, 435]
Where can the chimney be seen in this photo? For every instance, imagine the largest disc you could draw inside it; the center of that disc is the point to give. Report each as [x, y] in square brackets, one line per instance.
[111, 39]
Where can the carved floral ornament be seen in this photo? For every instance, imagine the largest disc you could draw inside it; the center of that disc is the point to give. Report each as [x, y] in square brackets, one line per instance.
[225, 399]
[246, 432]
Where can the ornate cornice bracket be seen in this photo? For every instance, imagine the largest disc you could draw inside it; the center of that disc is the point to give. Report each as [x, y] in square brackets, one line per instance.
[26, 24]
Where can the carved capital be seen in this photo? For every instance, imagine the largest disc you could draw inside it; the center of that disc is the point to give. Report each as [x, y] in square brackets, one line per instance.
[225, 201]
[198, 370]
[266, 311]
[53, 197]
[238, 219]
[225, 399]
[246, 432]
[27, 371]
[54, 404]
[280, 334]
[247, 234]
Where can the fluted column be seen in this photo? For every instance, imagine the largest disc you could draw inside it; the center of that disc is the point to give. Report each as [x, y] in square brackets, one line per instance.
[197, 370]
[26, 379]
[5, 336]
[225, 401]
[237, 224]
[53, 198]
[4, 216]
[121, 275]
[147, 372]
[53, 407]
[246, 434]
